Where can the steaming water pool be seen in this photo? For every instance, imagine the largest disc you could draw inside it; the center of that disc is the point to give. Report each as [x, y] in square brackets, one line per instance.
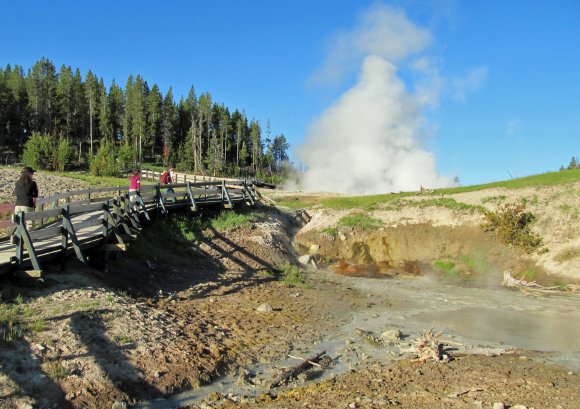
[492, 317]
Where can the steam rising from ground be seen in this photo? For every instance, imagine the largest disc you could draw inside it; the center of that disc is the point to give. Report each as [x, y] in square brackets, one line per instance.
[367, 141]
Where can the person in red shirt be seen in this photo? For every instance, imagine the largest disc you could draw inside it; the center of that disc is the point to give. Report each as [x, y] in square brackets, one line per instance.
[134, 186]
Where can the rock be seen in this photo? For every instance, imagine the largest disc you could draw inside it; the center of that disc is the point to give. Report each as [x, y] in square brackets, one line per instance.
[342, 236]
[314, 248]
[391, 335]
[244, 377]
[25, 405]
[498, 405]
[265, 308]
[119, 405]
[305, 259]
[519, 407]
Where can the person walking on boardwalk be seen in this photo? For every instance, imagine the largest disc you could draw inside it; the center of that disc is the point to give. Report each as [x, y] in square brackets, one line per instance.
[134, 187]
[26, 192]
[168, 178]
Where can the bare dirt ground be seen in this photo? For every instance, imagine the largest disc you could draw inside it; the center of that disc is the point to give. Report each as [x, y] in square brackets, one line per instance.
[157, 324]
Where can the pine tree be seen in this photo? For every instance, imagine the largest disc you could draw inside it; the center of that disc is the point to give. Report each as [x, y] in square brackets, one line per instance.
[167, 124]
[154, 117]
[117, 110]
[64, 99]
[41, 87]
[79, 108]
[204, 118]
[92, 97]
[257, 149]
[19, 114]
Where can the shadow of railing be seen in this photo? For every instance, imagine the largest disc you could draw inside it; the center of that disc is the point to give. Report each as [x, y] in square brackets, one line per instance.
[20, 364]
[91, 330]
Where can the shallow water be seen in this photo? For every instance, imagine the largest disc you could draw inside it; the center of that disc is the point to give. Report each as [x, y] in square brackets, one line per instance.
[475, 315]
[535, 330]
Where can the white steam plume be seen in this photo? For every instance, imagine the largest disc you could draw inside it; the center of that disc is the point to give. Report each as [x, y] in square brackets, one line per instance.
[366, 142]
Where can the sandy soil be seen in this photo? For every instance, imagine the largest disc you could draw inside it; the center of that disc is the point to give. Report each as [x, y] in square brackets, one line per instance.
[157, 324]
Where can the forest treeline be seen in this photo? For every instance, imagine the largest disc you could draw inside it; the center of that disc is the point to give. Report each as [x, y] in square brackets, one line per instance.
[58, 119]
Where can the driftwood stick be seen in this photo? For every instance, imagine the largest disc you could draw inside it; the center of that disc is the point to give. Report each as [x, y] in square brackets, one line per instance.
[304, 359]
[464, 392]
[295, 370]
[484, 351]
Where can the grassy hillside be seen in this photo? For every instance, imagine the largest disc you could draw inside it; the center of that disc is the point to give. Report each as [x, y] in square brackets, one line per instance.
[371, 201]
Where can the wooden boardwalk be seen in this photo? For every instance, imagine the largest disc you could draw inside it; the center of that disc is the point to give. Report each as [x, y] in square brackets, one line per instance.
[107, 218]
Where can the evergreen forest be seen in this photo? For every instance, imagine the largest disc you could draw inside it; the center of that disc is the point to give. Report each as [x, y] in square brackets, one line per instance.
[57, 120]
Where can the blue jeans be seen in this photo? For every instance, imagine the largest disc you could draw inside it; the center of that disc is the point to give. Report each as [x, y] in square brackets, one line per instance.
[167, 191]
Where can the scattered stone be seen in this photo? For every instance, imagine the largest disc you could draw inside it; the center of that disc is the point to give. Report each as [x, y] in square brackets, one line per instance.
[314, 248]
[119, 405]
[342, 236]
[244, 377]
[391, 335]
[265, 308]
[498, 405]
[305, 259]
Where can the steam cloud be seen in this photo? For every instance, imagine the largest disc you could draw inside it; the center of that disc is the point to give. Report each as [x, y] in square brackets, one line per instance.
[367, 141]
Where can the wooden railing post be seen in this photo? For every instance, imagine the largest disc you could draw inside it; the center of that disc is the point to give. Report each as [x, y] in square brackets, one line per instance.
[23, 238]
[18, 220]
[67, 224]
[191, 198]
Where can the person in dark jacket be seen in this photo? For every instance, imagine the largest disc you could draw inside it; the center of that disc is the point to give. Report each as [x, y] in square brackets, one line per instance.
[26, 192]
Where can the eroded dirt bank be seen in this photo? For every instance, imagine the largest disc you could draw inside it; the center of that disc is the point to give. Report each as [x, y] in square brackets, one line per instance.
[417, 231]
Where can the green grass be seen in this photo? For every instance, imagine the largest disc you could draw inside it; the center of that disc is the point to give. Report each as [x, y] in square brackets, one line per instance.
[545, 179]
[528, 275]
[333, 231]
[55, 370]
[229, 220]
[476, 263]
[14, 320]
[360, 220]
[296, 202]
[291, 276]
[445, 202]
[447, 268]
[37, 325]
[369, 202]
[493, 199]
[123, 339]
[96, 181]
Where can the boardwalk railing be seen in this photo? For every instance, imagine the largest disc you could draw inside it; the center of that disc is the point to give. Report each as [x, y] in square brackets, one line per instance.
[77, 220]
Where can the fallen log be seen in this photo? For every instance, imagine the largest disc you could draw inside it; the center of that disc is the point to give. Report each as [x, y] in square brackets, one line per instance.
[293, 371]
[533, 288]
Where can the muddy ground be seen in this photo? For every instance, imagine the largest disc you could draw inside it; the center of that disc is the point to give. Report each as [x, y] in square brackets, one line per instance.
[169, 318]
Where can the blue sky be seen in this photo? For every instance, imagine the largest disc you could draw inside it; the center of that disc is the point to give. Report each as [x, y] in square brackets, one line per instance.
[502, 77]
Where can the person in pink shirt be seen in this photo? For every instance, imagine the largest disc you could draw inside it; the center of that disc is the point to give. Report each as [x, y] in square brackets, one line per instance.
[134, 185]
